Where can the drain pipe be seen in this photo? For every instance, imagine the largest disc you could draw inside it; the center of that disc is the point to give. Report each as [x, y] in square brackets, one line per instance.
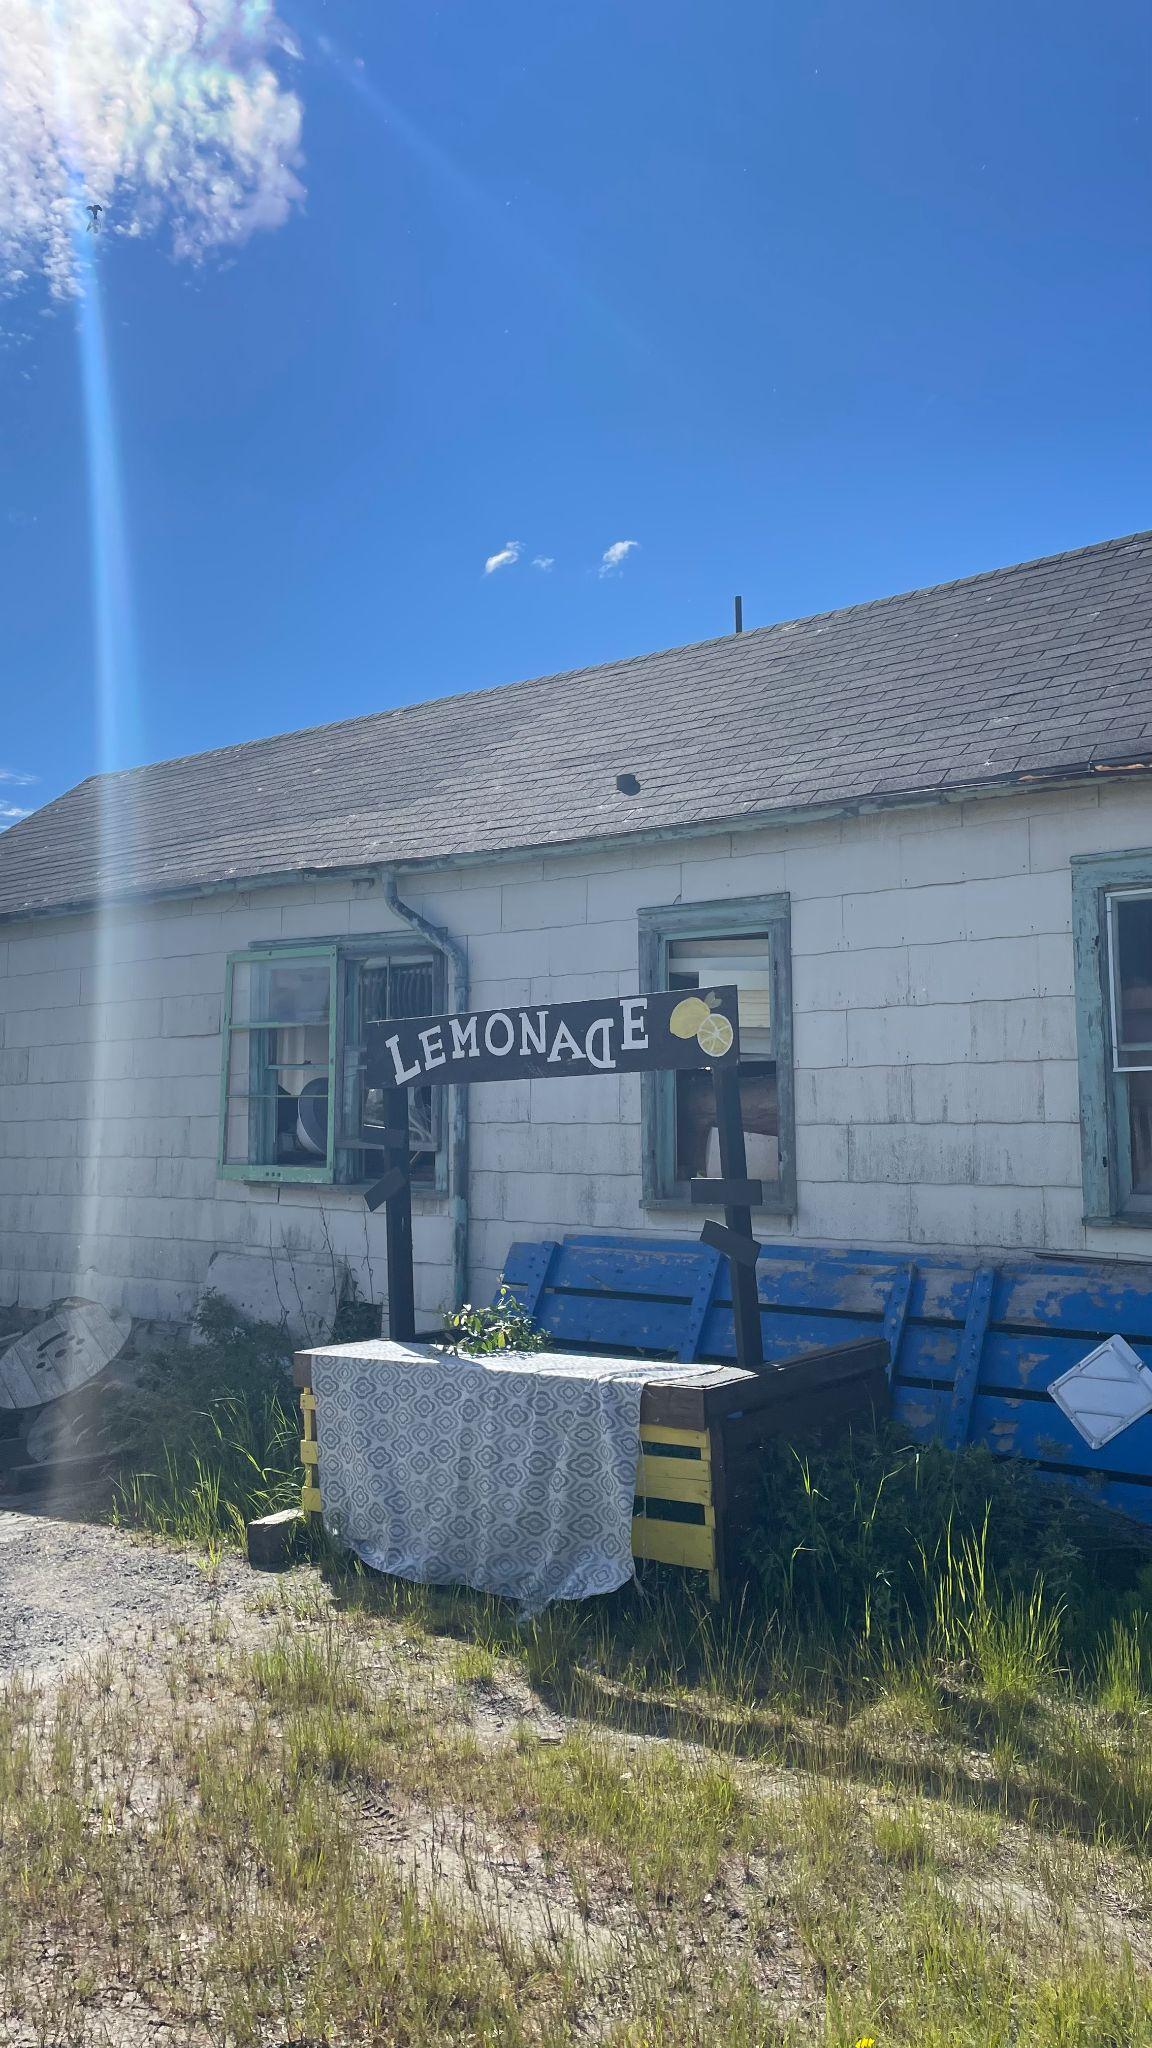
[446, 943]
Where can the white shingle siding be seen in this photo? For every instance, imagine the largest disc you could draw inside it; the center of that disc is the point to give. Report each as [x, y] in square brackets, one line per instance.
[936, 1092]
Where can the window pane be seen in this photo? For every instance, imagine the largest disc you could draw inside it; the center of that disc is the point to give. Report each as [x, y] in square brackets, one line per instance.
[697, 1139]
[392, 986]
[281, 992]
[1132, 970]
[276, 1113]
[696, 963]
[1140, 1118]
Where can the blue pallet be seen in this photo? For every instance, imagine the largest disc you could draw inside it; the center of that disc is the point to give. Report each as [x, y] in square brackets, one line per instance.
[974, 1347]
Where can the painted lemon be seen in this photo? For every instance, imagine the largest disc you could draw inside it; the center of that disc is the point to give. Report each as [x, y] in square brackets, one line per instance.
[715, 1036]
[687, 1017]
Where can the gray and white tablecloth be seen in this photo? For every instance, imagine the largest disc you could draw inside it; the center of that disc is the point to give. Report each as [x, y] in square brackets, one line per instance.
[514, 1474]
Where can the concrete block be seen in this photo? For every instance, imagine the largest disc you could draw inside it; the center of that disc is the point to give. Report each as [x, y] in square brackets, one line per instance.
[717, 846]
[621, 893]
[595, 949]
[822, 1152]
[630, 1098]
[995, 1219]
[501, 1102]
[42, 948]
[981, 1155]
[969, 1092]
[851, 1095]
[590, 1099]
[244, 923]
[192, 1016]
[1061, 1091]
[506, 956]
[865, 980]
[511, 994]
[183, 975]
[540, 906]
[273, 1540]
[817, 924]
[1064, 1219]
[1057, 831]
[609, 1149]
[979, 970]
[857, 861]
[462, 912]
[57, 989]
[511, 1148]
[745, 874]
[577, 988]
[961, 851]
[1056, 969]
[1027, 1030]
[487, 1200]
[73, 1026]
[298, 1293]
[842, 1213]
[324, 920]
[820, 1038]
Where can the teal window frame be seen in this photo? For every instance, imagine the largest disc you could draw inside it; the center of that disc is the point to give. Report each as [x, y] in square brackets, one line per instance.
[1105, 1129]
[338, 1166]
[659, 928]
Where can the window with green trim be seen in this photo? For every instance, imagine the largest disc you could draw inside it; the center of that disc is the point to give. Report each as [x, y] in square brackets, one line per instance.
[1112, 924]
[295, 1105]
[745, 943]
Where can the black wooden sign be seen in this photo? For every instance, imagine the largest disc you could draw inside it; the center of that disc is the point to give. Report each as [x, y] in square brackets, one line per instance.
[635, 1034]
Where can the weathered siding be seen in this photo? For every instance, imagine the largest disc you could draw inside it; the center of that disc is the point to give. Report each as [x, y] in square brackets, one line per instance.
[936, 1096]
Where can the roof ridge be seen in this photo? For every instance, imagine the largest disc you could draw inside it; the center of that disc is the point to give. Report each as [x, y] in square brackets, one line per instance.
[627, 661]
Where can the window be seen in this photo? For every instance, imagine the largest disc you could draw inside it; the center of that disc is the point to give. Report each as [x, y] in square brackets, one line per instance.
[1112, 897]
[693, 946]
[295, 1100]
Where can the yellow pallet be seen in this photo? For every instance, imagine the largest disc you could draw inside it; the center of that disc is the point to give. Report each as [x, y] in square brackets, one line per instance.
[663, 1474]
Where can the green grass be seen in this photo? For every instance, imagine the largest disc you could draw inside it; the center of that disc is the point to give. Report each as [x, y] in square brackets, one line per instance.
[899, 1790]
[312, 1839]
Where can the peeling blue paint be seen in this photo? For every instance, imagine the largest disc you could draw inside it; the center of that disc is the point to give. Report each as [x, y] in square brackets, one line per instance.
[668, 1295]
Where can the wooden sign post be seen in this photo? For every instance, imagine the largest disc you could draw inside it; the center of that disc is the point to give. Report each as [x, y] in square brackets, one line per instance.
[635, 1034]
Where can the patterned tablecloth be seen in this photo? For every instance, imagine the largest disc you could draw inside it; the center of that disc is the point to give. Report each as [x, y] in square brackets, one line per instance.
[514, 1474]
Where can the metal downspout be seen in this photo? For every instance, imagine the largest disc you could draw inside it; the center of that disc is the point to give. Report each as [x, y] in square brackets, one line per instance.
[458, 1149]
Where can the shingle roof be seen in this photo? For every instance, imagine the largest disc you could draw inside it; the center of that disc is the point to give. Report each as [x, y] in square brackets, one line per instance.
[1040, 669]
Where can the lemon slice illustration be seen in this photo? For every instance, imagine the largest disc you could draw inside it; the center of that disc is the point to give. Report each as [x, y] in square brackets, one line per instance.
[687, 1017]
[715, 1036]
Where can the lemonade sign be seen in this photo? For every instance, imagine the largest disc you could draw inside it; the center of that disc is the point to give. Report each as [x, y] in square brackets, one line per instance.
[635, 1034]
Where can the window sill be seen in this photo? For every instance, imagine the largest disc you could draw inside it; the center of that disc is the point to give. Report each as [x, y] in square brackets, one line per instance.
[423, 1199]
[666, 1202]
[1127, 1221]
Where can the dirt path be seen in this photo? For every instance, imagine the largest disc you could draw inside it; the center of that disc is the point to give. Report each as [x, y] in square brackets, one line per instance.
[69, 1589]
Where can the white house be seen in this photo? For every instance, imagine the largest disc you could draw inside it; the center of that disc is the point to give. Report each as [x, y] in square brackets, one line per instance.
[917, 833]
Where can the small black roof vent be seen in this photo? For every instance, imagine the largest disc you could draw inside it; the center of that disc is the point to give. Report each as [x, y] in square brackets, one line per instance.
[628, 785]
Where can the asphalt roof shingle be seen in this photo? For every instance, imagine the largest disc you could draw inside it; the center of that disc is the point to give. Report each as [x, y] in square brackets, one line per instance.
[1045, 668]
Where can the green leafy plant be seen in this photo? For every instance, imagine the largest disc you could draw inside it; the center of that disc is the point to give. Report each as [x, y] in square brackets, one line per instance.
[505, 1326]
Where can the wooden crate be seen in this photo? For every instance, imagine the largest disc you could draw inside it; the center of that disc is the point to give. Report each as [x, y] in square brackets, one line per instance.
[699, 1442]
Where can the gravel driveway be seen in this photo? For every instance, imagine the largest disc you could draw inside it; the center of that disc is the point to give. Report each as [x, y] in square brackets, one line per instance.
[68, 1589]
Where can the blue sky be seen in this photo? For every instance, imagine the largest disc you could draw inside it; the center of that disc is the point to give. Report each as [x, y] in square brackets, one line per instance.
[812, 301]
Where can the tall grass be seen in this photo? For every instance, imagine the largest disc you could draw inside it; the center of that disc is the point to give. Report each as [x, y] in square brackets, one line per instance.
[211, 1435]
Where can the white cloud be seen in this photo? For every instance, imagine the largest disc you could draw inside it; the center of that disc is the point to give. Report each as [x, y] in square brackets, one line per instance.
[167, 113]
[613, 558]
[14, 775]
[544, 562]
[9, 813]
[509, 554]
